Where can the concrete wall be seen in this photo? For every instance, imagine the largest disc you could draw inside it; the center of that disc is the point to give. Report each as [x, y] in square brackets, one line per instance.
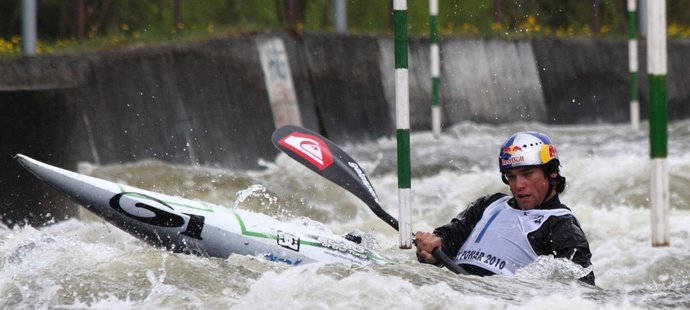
[208, 103]
[188, 104]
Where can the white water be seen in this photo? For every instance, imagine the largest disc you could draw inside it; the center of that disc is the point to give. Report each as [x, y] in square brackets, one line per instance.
[87, 264]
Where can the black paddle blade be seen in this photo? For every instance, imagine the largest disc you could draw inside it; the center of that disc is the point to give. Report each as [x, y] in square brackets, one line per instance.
[328, 160]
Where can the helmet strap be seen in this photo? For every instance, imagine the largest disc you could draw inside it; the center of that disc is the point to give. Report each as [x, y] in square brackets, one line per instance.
[552, 185]
[557, 183]
[560, 183]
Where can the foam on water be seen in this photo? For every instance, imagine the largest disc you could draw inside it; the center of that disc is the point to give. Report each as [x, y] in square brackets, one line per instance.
[85, 263]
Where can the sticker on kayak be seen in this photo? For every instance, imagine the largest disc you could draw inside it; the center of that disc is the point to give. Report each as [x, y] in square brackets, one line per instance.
[150, 210]
[309, 147]
[288, 241]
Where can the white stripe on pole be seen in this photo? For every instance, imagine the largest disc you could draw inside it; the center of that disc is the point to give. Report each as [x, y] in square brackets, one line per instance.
[656, 42]
[435, 73]
[633, 60]
[436, 117]
[435, 70]
[634, 103]
[632, 48]
[660, 201]
[402, 99]
[404, 225]
[635, 115]
[435, 61]
[399, 5]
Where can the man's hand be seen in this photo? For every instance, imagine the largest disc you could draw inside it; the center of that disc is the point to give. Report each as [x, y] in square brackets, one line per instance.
[426, 243]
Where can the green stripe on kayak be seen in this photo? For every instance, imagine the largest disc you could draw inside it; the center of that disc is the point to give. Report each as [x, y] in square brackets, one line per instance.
[248, 233]
[245, 232]
[368, 254]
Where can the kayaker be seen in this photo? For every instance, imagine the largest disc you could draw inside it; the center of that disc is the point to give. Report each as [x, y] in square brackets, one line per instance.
[498, 234]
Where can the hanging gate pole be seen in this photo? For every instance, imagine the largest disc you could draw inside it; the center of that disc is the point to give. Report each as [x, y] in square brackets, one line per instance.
[402, 117]
[658, 119]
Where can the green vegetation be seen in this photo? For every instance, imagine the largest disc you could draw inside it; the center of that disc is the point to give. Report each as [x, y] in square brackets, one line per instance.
[111, 24]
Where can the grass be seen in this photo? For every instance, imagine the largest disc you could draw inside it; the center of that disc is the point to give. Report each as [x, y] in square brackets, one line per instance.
[126, 37]
[12, 47]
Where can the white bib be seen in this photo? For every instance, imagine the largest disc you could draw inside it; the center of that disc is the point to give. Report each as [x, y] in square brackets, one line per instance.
[498, 242]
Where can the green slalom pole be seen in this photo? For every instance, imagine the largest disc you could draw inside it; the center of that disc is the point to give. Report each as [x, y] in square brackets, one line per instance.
[633, 61]
[435, 70]
[658, 121]
[402, 116]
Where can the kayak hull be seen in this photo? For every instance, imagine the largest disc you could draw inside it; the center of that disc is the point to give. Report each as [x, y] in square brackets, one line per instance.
[196, 227]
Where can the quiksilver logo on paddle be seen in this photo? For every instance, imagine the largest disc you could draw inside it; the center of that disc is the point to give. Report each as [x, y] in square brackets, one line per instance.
[309, 147]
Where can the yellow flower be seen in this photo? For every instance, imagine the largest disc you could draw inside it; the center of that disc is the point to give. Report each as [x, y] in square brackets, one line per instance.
[673, 30]
[116, 39]
[124, 27]
[93, 31]
[586, 30]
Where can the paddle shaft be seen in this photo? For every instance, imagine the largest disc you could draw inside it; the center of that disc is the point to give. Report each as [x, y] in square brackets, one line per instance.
[329, 161]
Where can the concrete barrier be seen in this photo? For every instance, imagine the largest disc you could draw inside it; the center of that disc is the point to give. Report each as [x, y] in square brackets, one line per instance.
[490, 81]
[208, 103]
[45, 129]
[678, 79]
[346, 86]
[584, 80]
[194, 104]
[419, 80]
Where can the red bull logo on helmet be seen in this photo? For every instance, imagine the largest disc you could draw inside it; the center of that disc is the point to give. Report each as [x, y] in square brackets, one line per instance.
[511, 149]
[527, 148]
[512, 160]
[547, 153]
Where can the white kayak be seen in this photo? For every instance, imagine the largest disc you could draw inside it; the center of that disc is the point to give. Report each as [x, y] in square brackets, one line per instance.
[192, 226]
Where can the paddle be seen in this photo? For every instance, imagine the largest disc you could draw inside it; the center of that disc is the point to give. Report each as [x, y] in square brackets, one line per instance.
[328, 160]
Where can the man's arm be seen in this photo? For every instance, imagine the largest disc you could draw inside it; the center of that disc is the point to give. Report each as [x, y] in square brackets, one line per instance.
[454, 234]
[569, 242]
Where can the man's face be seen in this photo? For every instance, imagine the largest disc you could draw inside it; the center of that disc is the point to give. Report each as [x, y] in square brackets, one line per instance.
[529, 186]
